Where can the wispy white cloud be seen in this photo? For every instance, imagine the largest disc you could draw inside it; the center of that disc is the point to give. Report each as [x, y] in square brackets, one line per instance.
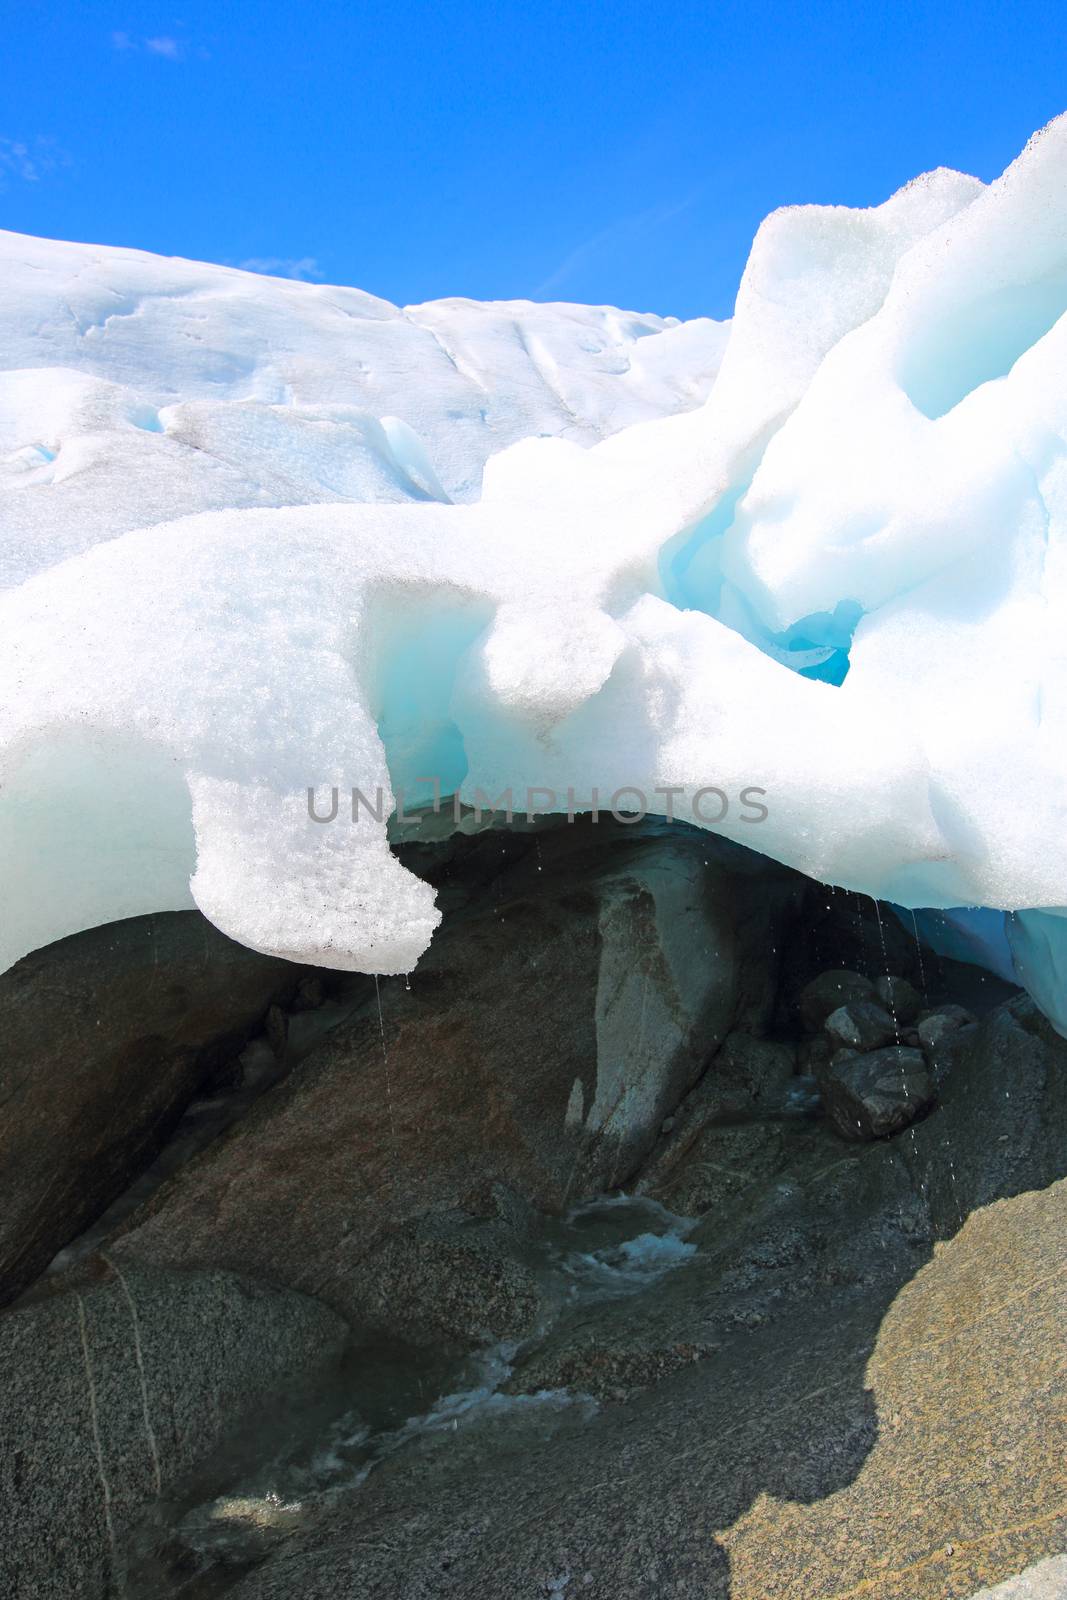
[164, 45]
[304, 268]
[618, 233]
[28, 161]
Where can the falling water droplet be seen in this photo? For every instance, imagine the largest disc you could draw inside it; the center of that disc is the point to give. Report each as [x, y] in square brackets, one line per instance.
[385, 1060]
[885, 962]
[919, 953]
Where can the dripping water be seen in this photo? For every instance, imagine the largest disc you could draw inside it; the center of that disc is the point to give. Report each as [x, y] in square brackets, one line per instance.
[885, 963]
[385, 1060]
[919, 953]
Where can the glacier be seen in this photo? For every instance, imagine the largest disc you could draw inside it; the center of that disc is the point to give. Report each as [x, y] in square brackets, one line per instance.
[259, 537]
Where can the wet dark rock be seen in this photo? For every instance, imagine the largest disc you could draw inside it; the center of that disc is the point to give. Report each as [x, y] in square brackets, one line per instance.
[860, 1025]
[450, 1276]
[276, 1031]
[824, 994]
[310, 994]
[707, 1165]
[877, 1094]
[938, 1026]
[803, 1406]
[1002, 1110]
[900, 998]
[760, 1069]
[112, 1390]
[839, 1448]
[606, 1369]
[106, 1037]
[582, 979]
[228, 1535]
[813, 1055]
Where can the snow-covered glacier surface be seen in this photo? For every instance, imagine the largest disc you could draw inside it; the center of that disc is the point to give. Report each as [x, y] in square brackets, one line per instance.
[261, 536]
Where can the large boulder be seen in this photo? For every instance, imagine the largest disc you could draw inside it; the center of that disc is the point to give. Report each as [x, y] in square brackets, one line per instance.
[582, 979]
[104, 1039]
[114, 1389]
[831, 989]
[872, 1096]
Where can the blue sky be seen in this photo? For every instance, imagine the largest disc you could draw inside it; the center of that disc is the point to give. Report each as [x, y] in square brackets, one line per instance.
[620, 153]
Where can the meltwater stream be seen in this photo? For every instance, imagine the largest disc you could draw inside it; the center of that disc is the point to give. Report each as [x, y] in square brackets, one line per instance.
[198, 1542]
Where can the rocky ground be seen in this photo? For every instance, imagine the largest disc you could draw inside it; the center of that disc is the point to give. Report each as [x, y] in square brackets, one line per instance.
[680, 1228]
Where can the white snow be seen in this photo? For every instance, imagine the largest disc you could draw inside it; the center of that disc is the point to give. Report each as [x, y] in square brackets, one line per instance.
[821, 551]
[139, 389]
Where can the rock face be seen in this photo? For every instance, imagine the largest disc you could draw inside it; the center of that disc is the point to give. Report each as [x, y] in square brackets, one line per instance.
[110, 1392]
[871, 1096]
[899, 1442]
[578, 986]
[1002, 1109]
[104, 1039]
[794, 1385]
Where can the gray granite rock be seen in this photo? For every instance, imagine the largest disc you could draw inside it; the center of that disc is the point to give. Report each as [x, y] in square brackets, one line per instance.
[1045, 1580]
[112, 1390]
[874, 1095]
[861, 1025]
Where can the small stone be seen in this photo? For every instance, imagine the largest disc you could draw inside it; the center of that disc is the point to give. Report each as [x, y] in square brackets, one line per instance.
[862, 1025]
[900, 998]
[667, 1125]
[838, 987]
[875, 1095]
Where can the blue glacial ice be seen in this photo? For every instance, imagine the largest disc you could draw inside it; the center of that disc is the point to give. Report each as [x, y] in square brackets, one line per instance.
[257, 536]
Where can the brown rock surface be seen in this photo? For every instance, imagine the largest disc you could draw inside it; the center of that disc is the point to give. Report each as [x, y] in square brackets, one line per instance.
[104, 1039]
[562, 1011]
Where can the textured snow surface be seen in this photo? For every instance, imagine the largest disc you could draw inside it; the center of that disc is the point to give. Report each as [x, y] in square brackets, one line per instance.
[138, 389]
[821, 550]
